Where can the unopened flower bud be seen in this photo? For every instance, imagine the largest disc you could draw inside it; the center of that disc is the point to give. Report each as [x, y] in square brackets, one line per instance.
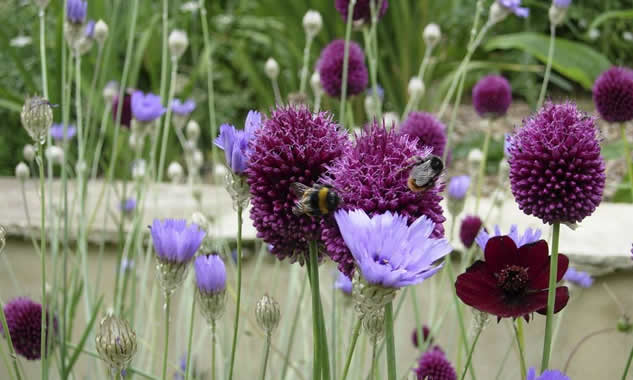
[475, 156]
[101, 31]
[116, 342]
[271, 68]
[315, 83]
[37, 118]
[391, 120]
[197, 159]
[625, 325]
[312, 23]
[497, 13]
[55, 154]
[374, 324]
[28, 152]
[175, 172]
[370, 106]
[133, 140]
[178, 43]
[138, 169]
[557, 14]
[267, 313]
[22, 171]
[416, 87]
[432, 35]
[111, 91]
[193, 130]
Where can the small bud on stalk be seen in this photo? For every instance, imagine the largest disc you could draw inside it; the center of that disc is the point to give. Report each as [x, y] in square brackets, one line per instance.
[432, 35]
[116, 342]
[271, 68]
[37, 118]
[22, 171]
[178, 43]
[267, 313]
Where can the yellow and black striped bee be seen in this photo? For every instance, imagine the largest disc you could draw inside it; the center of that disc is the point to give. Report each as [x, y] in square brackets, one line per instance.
[424, 173]
[317, 200]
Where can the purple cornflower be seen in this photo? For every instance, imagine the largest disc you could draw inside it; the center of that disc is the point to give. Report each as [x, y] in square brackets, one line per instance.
[76, 11]
[183, 108]
[343, 283]
[556, 170]
[210, 273]
[578, 278]
[547, 375]
[434, 365]
[613, 95]
[330, 67]
[89, 29]
[563, 4]
[471, 225]
[57, 132]
[174, 241]
[427, 129]
[492, 96]
[529, 236]
[128, 205]
[146, 107]
[362, 9]
[236, 143]
[458, 187]
[24, 320]
[387, 251]
[514, 6]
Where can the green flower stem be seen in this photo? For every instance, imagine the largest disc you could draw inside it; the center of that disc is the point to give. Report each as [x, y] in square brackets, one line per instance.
[166, 349]
[391, 348]
[352, 346]
[239, 290]
[413, 100]
[451, 125]
[373, 374]
[416, 313]
[164, 61]
[93, 85]
[628, 364]
[43, 260]
[278, 99]
[627, 152]
[12, 354]
[321, 350]
[316, 369]
[214, 343]
[167, 125]
[470, 354]
[306, 61]
[348, 36]
[583, 341]
[333, 330]
[293, 329]
[27, 213]
[42, 14]
[210, 96]
[518, 331]
[372, 51]
[548, 68]
[482, 165]
[266, 355]
[189, 342]
[551, 297]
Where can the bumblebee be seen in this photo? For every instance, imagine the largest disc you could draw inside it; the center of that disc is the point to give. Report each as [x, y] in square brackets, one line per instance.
[317, 200]
[424, 173]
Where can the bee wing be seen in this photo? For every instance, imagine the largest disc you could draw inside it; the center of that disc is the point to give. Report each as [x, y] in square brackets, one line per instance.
[298, 189]
[300, 209]
[423, 174]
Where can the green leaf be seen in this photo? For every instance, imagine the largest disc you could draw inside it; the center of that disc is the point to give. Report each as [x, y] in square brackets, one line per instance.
[574, 60]
[84, 336]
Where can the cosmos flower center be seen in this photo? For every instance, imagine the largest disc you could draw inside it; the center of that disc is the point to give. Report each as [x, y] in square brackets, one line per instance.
[512, 279]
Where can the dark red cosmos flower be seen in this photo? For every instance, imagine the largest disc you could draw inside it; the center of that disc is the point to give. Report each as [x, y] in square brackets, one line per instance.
[512, 282]
[126, 111]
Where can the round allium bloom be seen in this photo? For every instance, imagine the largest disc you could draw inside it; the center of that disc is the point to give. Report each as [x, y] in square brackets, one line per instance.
[556, 171]
[57, 132]
[293, 145]
[547, 375]
[578, 278]
[370, 177]
[24, 320]
[434, 365]
[175, 241]
[471, 225]
[343, 283]
[76, 11]
[146, 107]
[512, 282]
[458, 187]
[426, 335]
[529, 236]
[492, 96]
[126, 111]
[613, 95]
[183, 108]
[362, 9]
[330, 67]
[427, 129]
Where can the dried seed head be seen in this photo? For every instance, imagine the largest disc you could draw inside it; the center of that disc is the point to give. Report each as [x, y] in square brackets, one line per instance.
[267, 313]
[416, 87]
[374, 324]
[211, 304]
[37, 118]
[175, 172]
[116, 342]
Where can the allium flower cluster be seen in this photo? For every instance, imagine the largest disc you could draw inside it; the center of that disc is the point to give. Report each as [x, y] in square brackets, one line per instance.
[24, 320]
[429, 131]
[362, 9]
[370, 177]
[146, 107]
[613, 95]
[556, 171]
[330, 67]
[235, 143]
[492, 96]
[293, 145]
[426, 335]
[433, 364]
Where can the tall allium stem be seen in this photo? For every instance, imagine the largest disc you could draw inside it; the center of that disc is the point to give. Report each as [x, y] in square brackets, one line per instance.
[373, 53]
[293, 329]
[482, 165]
[373, 375]
[389, 338]
[548, 68]
[236, 325]
[321, 365]
[43, 260]
[470, 354]
[266, 355]
[164, 58]
[167, 125]
[518, 331]
[42, 14]
[210, 96]
[627, 153]
[166, 349]
[306, 61]
[93, 85]
[414, 101]
[352, 347]
[103, 131]
[214, 343]
[551, 297]
[12, 354]
[348, 36]
[628, 364]
[278, 99]
[190, 340]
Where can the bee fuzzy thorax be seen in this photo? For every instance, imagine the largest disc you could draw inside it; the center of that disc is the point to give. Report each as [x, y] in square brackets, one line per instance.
[318, 200]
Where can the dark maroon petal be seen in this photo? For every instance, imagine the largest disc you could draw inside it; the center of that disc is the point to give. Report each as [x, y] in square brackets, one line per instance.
[562, 297]
[541, 279]
[500, 252]
[478, 288]
[535, 257]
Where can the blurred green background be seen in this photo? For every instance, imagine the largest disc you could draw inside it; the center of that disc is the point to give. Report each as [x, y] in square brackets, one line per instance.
[245, 33]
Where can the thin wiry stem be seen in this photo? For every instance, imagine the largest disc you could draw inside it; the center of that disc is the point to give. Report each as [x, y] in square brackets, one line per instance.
[348, 36]
[166, 348]
[548, 68]
[551, 298]
[190, 340]
[209, 61]
[306, 60]
[239, 290]
[167, 125]
[389, 338]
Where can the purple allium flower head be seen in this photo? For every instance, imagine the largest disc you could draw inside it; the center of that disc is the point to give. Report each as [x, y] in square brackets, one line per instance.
[492, 96]
[89, 29]
[547, 375]
[362, 9]
[146, 107]
[76, 11]
[330, 67]
[556, 171]
[426, 335]
[343, 283]
[293, 145]
[389, 252]
[578, 278]
[126, 111]
[128, 205]
[427, 129]
[183, 108]
[57, 132]
[434, 365]
[210, 273]
[613, 95]
[563, 4]
[235, 143]
[174, 240]
[514, 6]
[24, 320]
[471, 225]
[529, 236]
[458, 187]
[370, 177]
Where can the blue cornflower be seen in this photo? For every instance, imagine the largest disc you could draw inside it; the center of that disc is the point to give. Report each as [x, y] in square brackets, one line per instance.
[578, 278]
[379, 91]
[210, 273]
[547, 375]
[343, 283]
[514, 6]
[89, 29]
[76, 11]
[57, 132]
[146, 107]
[174, 240]
[183, 108]
[458, 187]
[128, 205]
[387, 251]
[563, 4]
[235, 143]
[530, 236]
